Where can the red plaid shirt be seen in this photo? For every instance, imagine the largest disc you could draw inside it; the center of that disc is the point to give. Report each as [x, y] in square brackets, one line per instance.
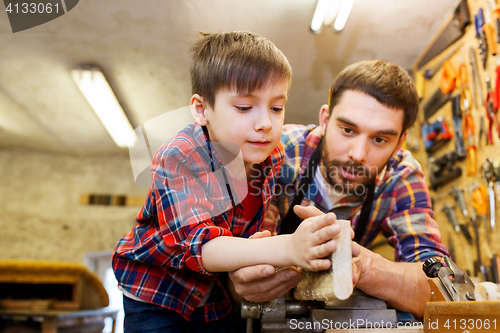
[189, 203]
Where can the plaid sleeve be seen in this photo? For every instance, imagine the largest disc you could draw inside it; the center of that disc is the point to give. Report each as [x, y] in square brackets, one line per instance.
[411, 228]
[188, 206]
[271, 218]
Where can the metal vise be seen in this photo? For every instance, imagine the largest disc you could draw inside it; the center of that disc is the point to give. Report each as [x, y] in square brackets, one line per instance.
[280, 315]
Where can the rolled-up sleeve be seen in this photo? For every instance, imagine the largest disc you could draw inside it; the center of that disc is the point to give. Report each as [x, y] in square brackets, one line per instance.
[411, 228]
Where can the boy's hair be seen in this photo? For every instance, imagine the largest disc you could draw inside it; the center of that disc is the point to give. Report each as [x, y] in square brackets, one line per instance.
[238, 59]
[388, 83]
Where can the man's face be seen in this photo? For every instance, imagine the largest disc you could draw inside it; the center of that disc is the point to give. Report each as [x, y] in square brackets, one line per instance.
[360, 136]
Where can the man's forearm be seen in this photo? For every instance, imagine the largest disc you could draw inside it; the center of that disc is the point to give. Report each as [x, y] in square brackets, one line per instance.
[402, 285]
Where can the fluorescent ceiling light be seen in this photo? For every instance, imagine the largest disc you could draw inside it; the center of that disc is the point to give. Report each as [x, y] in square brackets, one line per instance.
[327, 10]
[344, 12]
[332, 11]
[319, 15]
[101, 98]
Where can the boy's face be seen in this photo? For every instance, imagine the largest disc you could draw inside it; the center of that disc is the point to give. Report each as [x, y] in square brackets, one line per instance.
[253, 120]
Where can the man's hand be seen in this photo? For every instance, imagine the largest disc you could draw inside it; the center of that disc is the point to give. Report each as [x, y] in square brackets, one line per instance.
[262, 283]
[371, 272]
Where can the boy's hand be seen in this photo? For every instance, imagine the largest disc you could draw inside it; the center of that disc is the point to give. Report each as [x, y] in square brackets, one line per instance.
[313, 239]
[262, 283]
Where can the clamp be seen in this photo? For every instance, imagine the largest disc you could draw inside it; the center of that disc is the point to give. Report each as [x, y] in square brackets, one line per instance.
[460, 288]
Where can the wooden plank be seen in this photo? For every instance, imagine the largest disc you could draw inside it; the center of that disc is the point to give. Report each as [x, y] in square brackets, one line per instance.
[388, 330]
[458, 317]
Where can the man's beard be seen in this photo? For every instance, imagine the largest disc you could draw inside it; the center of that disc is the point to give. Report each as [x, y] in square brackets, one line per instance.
[333, 174]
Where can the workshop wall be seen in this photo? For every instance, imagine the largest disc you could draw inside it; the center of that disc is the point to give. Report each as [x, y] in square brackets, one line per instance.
[463, 253]
[41, 216]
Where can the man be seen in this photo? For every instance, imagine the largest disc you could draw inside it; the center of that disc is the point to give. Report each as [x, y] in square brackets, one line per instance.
[364, 176]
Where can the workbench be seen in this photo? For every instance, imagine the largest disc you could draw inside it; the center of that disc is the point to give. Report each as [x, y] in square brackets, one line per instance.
[59, 321]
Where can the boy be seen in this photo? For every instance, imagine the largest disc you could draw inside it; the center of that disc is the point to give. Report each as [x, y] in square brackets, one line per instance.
[166, 266]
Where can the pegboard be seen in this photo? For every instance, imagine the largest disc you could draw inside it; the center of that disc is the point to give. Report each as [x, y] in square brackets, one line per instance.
[464, 253]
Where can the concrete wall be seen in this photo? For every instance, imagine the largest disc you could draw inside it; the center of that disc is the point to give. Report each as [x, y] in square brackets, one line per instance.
[40, 213]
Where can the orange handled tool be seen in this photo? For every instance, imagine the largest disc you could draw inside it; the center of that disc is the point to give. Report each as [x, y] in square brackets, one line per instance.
[448, 78]
[480, 203]
[471, 148]
[490, 37]
[480, 200]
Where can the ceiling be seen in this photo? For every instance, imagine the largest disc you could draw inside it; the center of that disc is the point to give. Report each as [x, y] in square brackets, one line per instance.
[143, 49]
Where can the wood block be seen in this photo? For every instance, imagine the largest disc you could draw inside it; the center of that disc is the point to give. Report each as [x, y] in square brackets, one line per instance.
[335, 283]
[459, 317]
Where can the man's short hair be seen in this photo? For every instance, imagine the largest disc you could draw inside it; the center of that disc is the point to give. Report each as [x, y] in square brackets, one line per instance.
[388, 83]
[238, 59]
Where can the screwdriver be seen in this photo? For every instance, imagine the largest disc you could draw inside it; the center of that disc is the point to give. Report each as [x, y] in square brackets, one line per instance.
[480, 203]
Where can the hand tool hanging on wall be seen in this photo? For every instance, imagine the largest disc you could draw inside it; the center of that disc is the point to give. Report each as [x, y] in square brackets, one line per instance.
[429, 73]
[480, 203]
[457, 126]
[481, 38]
[496, 95]
[496, 173]
[442, 95]
[436, 135]
[451, 33]
[465, 231]
[448, 79]
[495, 265]
[452, 218]
[489, 31]
[471, 164]
[476, 84]
[435, 102]
[443, 169]
[491, 113]
[482, 131]
[458, 227]
[465, 106]
[475, 224]
[496, 17]
[458, 195]
[489, 178]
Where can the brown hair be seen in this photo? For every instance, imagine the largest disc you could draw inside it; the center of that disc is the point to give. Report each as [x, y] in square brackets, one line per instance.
[238, 59]
[388, 83]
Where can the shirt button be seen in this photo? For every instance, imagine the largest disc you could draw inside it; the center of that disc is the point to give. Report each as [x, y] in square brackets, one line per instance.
[239, 215]
[197, 294]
